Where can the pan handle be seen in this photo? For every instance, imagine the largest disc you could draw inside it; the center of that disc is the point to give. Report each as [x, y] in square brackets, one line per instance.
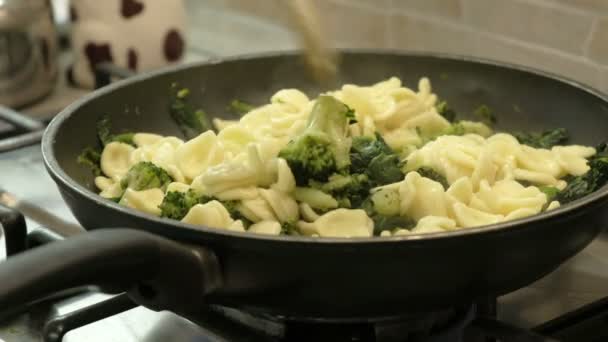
[15, 230]
[155, 272]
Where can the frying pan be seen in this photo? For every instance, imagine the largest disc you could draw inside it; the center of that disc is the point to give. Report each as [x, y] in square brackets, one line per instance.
[168, 265]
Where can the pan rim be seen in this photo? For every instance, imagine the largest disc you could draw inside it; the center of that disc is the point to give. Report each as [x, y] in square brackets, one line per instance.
[529, 222]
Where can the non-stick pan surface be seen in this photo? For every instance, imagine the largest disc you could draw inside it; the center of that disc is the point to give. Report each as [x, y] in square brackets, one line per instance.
[340, 278]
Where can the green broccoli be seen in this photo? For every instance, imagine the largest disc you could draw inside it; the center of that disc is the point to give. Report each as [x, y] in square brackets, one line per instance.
[544, 139]
[104, 127]
[434, 175]
[376, 159]
[191, 122]
[145, 175]
[444, 110]
[90, 158]
[176, 204]
[591, 181]
[485, 114]
[240, 108]
[231, 207]
[323, 147]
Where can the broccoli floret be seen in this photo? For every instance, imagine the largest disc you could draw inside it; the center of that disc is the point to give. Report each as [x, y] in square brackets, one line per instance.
[91, 158]
[104, 127]
[323, 147]
[145, 175]
[231, 207]
[444, 110]
[191, 122]
[239, 107]
[176, 204]
[434, 175]
[544, 139]
[376, 159]
[485, 114]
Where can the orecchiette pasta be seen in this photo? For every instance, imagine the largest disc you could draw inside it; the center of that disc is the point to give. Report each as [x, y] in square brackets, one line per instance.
[450, 174]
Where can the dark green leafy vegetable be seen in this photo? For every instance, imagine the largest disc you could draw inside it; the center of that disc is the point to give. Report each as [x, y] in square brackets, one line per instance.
[591, 181]
[104, 128]
[544, 139]
[176, 204]
[191, 122]
[376, 159]
[444, 110]
[385, 169]
[485, 114]
[145, 175]
[90, 158]
[349, 190]
[323, 147]
[434, 175]
[382, 223]
[239, 107]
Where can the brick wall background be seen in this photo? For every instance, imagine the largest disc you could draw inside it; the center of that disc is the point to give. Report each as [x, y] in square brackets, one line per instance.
[568, 37]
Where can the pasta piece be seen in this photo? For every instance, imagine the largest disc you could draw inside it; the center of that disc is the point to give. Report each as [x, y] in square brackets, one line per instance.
[266, 227]
[308, 213]
[145, 200]
[237, 226]
[198, 154]
[572, 159]
[221, 124]
[421, 197]
[284, 207]
[553, 205]
[239, 194]
[178, 187]
[469, 217]
[286, 182]
[103, 183]
[256, 210]
[210, 214]
[115, 159]
[145, 139]
[340, 223]
[433, 224]
[316, 198]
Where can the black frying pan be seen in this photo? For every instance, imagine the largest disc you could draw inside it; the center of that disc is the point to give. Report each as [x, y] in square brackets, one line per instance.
[303, 277]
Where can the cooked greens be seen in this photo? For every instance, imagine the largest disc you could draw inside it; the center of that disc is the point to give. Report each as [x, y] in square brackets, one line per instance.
[91, 158]
[240, 108]
[104, 128]
[144, 176]
[595, 178]
[191, 121]
[544, 139]
[323, 147]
